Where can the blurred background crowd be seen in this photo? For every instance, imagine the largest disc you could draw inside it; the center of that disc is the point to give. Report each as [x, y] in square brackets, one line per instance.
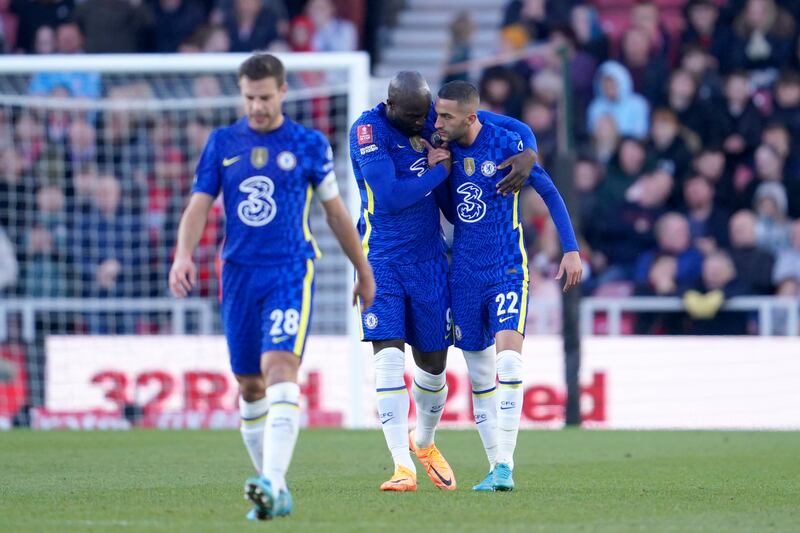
[686, 115]
[687, 120]
[168, 26]
[90, 196]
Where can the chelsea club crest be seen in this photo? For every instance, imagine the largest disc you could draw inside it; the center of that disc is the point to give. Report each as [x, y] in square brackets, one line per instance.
[287, 160]
[488, 168]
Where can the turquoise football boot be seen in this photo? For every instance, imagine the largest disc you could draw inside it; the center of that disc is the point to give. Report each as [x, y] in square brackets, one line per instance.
[259, 492]
[254, 516]
[487, 484]
[503, 478]
[284, 503]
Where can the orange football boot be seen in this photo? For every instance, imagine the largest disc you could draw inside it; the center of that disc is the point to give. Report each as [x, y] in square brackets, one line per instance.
[436, 466]
[403, 480]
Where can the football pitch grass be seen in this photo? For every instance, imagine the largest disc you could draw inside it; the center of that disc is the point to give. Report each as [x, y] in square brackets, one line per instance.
[567, 481]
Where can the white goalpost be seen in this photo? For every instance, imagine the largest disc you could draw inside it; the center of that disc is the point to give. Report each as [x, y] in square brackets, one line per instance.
[97, 157]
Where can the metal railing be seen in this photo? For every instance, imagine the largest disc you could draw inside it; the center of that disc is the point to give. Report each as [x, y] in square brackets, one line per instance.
[765, 306]
[178, 309]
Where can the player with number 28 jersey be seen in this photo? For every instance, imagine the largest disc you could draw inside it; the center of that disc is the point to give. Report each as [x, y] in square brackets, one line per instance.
[267, 168]
[267, 181]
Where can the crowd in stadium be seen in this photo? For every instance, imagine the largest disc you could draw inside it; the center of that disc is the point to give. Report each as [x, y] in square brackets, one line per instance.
[165, 26]
[688, 122]
[89, 202]
[687, 117]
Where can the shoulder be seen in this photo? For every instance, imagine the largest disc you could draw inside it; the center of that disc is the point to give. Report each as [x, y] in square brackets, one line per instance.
[497, 132]
[308, 141]
[372, 119]
[368, 116]
[505, 141]
[310, 136]
[225, 134]
[369, 132]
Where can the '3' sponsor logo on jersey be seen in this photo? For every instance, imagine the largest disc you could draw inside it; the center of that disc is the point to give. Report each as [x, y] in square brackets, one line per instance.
[471, 208]
[259, 208]
[420, 166]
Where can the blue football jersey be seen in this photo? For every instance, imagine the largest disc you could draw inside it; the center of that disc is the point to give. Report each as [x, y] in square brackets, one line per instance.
[267, 181]
[487, 238]
[414, 234]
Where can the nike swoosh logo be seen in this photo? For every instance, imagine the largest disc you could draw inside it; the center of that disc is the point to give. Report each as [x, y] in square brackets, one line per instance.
[506, 408]
[437, 408]
[506, 319]
[228, 162]
[401, 147]
[447, 482]
[278, 340]
[384, 421]
[448, 335]
[395, 481]
[482, 421]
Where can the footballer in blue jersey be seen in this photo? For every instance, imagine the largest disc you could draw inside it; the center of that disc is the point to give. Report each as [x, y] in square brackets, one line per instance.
[402, 238]
[489, 270]
[267, 169]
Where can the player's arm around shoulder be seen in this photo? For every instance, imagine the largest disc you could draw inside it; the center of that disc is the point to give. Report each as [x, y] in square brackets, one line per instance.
[183, 274]
[521, 160]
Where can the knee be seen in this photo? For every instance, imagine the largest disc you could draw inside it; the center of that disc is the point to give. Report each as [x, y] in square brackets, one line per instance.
[509, 365]
[434, 365]
[481, 367]
[430, 362]
[390, 359]
[279, 367]
[252, 388]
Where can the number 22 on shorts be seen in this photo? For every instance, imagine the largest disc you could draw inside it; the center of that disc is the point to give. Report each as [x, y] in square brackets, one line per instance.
[509, 298]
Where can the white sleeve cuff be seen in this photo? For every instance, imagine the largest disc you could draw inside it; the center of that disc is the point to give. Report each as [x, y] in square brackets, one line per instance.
[328, 189]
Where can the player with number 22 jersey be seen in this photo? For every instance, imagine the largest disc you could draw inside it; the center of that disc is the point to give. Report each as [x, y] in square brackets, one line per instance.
[489, 271]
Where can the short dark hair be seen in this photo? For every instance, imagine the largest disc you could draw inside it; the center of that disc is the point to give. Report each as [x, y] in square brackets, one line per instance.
[461, 91]
[260, 66]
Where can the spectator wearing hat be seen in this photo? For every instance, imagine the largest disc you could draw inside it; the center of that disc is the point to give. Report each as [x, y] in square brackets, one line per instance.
[614, 96]
[772, 228]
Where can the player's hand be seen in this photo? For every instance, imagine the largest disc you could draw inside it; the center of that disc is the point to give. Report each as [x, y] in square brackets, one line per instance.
[438, 155]
[364, 287]
[572, 266]
[521, 165]
[182, 276]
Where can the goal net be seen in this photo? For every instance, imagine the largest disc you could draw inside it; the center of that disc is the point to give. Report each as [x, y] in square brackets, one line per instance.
[98, 154]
